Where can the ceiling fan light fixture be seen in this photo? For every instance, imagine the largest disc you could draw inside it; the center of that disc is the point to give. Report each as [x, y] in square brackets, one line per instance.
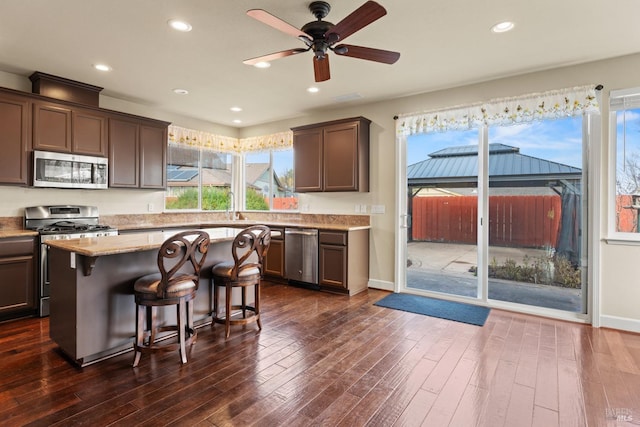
[341, 49]
[179, 25]
[502, 27]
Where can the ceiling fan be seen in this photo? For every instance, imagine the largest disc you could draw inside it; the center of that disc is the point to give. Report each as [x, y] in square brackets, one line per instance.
[321, 36]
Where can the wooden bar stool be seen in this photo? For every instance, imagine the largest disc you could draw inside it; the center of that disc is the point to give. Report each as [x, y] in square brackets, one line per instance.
[248, 250]
[175, 284]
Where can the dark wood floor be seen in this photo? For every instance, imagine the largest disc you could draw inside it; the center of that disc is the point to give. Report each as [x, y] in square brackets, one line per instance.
[331, 360]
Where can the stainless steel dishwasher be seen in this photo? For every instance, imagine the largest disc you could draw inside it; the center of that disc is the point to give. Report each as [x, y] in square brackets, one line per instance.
[301, 255]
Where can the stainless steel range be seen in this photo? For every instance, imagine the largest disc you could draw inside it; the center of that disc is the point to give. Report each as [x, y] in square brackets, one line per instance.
[58, 223]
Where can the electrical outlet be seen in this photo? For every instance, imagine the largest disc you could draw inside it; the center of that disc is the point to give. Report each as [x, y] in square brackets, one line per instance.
[363, 208]
[150, 207]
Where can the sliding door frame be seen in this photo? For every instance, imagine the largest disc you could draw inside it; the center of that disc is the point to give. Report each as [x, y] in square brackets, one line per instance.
[590, 261]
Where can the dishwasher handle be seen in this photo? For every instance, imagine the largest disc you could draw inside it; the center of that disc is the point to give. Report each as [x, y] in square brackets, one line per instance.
[303, 232]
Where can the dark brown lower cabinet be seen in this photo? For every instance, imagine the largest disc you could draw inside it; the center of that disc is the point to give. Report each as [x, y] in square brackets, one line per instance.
[344, 261]
[17, 270]
[274, 263]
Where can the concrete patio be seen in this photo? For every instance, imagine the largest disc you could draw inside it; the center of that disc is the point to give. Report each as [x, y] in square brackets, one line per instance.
[444, 267]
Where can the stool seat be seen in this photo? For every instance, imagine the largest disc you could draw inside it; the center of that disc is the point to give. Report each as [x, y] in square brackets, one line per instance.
[248, 250]
[180, 259]
[225, 269]
[147, 286]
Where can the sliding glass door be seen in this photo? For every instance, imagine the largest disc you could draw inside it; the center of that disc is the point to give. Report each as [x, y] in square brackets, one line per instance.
[442, 175]
[497, 213]
[535, 214]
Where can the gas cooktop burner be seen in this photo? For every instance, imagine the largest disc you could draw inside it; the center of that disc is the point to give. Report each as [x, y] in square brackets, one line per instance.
[71, 227]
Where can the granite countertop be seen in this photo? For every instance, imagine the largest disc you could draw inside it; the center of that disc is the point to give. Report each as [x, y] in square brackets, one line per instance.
[246, 223]
[16, 232]
[134, 242]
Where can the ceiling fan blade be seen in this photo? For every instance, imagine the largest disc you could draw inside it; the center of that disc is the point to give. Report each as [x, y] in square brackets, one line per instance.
[275, 22]
[321, 68]
[368, 53]
[272, 56]
[358, 19]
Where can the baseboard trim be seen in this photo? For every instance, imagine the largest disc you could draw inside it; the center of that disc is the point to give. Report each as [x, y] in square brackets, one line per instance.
[382, 285]
[622, 323]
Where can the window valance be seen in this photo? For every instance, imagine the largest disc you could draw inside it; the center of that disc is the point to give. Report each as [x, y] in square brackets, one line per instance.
[199, 139]
[275, 141]
[226, 144]
[503, 111]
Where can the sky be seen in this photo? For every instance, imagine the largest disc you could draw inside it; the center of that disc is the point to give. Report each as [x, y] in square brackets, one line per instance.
[556, 140]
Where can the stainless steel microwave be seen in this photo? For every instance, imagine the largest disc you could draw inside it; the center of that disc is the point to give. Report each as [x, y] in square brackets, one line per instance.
[63, 170]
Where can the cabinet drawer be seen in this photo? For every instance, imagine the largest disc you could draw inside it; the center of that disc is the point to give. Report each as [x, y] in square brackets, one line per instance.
[333, 238]
[16, 246]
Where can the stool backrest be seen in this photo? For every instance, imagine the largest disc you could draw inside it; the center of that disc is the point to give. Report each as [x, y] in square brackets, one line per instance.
[173, 255]
[254, 240]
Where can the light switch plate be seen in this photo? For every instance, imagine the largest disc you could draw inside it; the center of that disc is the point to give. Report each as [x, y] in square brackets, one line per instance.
[377, 209]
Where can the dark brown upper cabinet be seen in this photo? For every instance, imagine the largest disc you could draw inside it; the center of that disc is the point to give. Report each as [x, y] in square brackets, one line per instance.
[15, 138]
[137, 153]
[58, 127]
[332, 156]
[51, 127]
[89, 133]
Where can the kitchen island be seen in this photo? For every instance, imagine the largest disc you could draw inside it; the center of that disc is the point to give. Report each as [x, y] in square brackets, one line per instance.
[92, 304]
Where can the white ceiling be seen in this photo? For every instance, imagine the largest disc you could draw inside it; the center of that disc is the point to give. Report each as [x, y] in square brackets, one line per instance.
[443, 43]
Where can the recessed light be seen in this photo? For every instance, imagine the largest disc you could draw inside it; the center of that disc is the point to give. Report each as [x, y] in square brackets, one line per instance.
[237, 121]
[236, 109]
[102, 67]
[181, 91]
[503, 27]
[262, 64]
[313, 89]
[176, 24]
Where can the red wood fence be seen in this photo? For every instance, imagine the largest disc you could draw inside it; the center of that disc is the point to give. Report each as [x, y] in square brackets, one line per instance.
[285, 203]
[515, 221]
[626, 217]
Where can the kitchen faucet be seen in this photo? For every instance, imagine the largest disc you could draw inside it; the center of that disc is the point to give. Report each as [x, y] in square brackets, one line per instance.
[231, 205]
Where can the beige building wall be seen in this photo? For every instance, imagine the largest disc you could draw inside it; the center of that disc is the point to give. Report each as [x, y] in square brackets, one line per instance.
[619, 296]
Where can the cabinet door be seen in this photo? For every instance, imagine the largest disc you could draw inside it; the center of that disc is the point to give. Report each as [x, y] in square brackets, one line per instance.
[307, 152]
[89, 133]
[153, 157]
[123, 154]
[274, 263]
[17, 289]
[15, 139]
[340, 152]
[51, 127]
[333, 266]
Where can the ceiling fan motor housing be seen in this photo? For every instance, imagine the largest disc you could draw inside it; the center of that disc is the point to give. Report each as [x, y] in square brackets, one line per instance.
[317, 30]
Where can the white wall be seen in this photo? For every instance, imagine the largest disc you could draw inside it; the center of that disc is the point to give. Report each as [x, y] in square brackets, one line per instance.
[620, 288]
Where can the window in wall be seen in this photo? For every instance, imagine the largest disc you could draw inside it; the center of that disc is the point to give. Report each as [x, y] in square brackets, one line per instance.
[625, 163]
[269, 181]
[197, 179]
